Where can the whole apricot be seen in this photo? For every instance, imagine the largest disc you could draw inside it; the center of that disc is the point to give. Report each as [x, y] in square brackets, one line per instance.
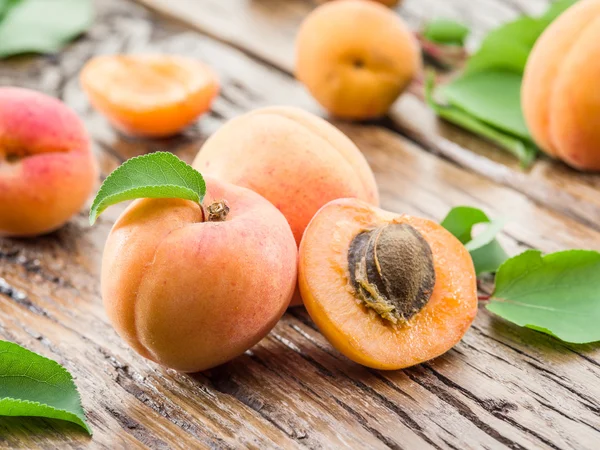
[356, 57]
[560, 98]
[387, 290]
[191, 287]
[294, 159]
[47, 170]
[149, 95]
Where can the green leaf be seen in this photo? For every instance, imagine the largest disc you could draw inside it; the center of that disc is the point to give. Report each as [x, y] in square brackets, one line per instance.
[557, 294]
[485, 250]
[486, 98]
[156, 175]
[507, 47]
[5, 5]
[461, 220]
[36, 386]
[445, 31]
[494, 97]
[523, 150]
[42, 26]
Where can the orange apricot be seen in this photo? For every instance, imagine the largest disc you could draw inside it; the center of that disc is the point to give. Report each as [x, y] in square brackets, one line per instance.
[387, 290]
[356, 57]
[149, 95]
[191, 288]
[559, 94]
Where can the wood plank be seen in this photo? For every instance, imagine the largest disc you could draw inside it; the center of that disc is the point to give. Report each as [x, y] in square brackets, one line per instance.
[292, 390]
[266, 30]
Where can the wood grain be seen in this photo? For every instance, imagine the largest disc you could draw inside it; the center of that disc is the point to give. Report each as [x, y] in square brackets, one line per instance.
[266, 30]
[502, 386]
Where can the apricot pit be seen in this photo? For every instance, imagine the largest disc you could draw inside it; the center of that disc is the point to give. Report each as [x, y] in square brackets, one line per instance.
[391, 270]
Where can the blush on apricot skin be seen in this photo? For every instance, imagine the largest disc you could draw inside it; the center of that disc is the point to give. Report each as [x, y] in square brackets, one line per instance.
[360, 332]
[47, 169]
[149, 95]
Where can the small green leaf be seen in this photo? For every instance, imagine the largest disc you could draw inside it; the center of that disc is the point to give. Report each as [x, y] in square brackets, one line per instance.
[557, 294]
[489, 258]
[5, 5]
[507, 47]
[42, 26]
[445, 31]
[155, 175]
[460, 221]
[485, 250]
[36, 386]
[494, 97]
[524, 150]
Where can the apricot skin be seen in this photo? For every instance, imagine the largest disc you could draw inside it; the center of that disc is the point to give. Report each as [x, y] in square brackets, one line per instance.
[294, 159]
[359, 332]
[47, 170]
[560, 99]
[189, 294]
[149, 95]
[356, 57]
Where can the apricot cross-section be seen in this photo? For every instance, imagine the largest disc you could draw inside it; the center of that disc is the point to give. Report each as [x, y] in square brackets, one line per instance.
[560, 95]
[191, 287]
[47, 170]
[356, 57]
[387, 290]
[149, 95]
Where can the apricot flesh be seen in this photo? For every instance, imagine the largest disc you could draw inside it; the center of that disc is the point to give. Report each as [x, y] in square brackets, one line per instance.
[356, 57]
[560, 98]
[359, 332]
[191, 293]
[47, 169]
[149, 95]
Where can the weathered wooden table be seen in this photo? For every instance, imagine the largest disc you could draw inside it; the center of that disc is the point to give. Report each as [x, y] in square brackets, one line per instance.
[502, 386]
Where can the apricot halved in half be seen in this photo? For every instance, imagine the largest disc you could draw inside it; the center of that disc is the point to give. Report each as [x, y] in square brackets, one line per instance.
[149, 95]
[387, 290]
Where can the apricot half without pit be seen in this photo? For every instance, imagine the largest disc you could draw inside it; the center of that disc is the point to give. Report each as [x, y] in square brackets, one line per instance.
[387, 290]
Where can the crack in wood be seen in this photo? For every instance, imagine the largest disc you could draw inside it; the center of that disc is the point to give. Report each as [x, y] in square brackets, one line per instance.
[498, 409]
[463, 410]
[364, 423]
[140, 432]
[584, 399]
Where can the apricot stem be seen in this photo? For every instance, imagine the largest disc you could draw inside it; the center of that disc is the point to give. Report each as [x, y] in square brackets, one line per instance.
[217, 211]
